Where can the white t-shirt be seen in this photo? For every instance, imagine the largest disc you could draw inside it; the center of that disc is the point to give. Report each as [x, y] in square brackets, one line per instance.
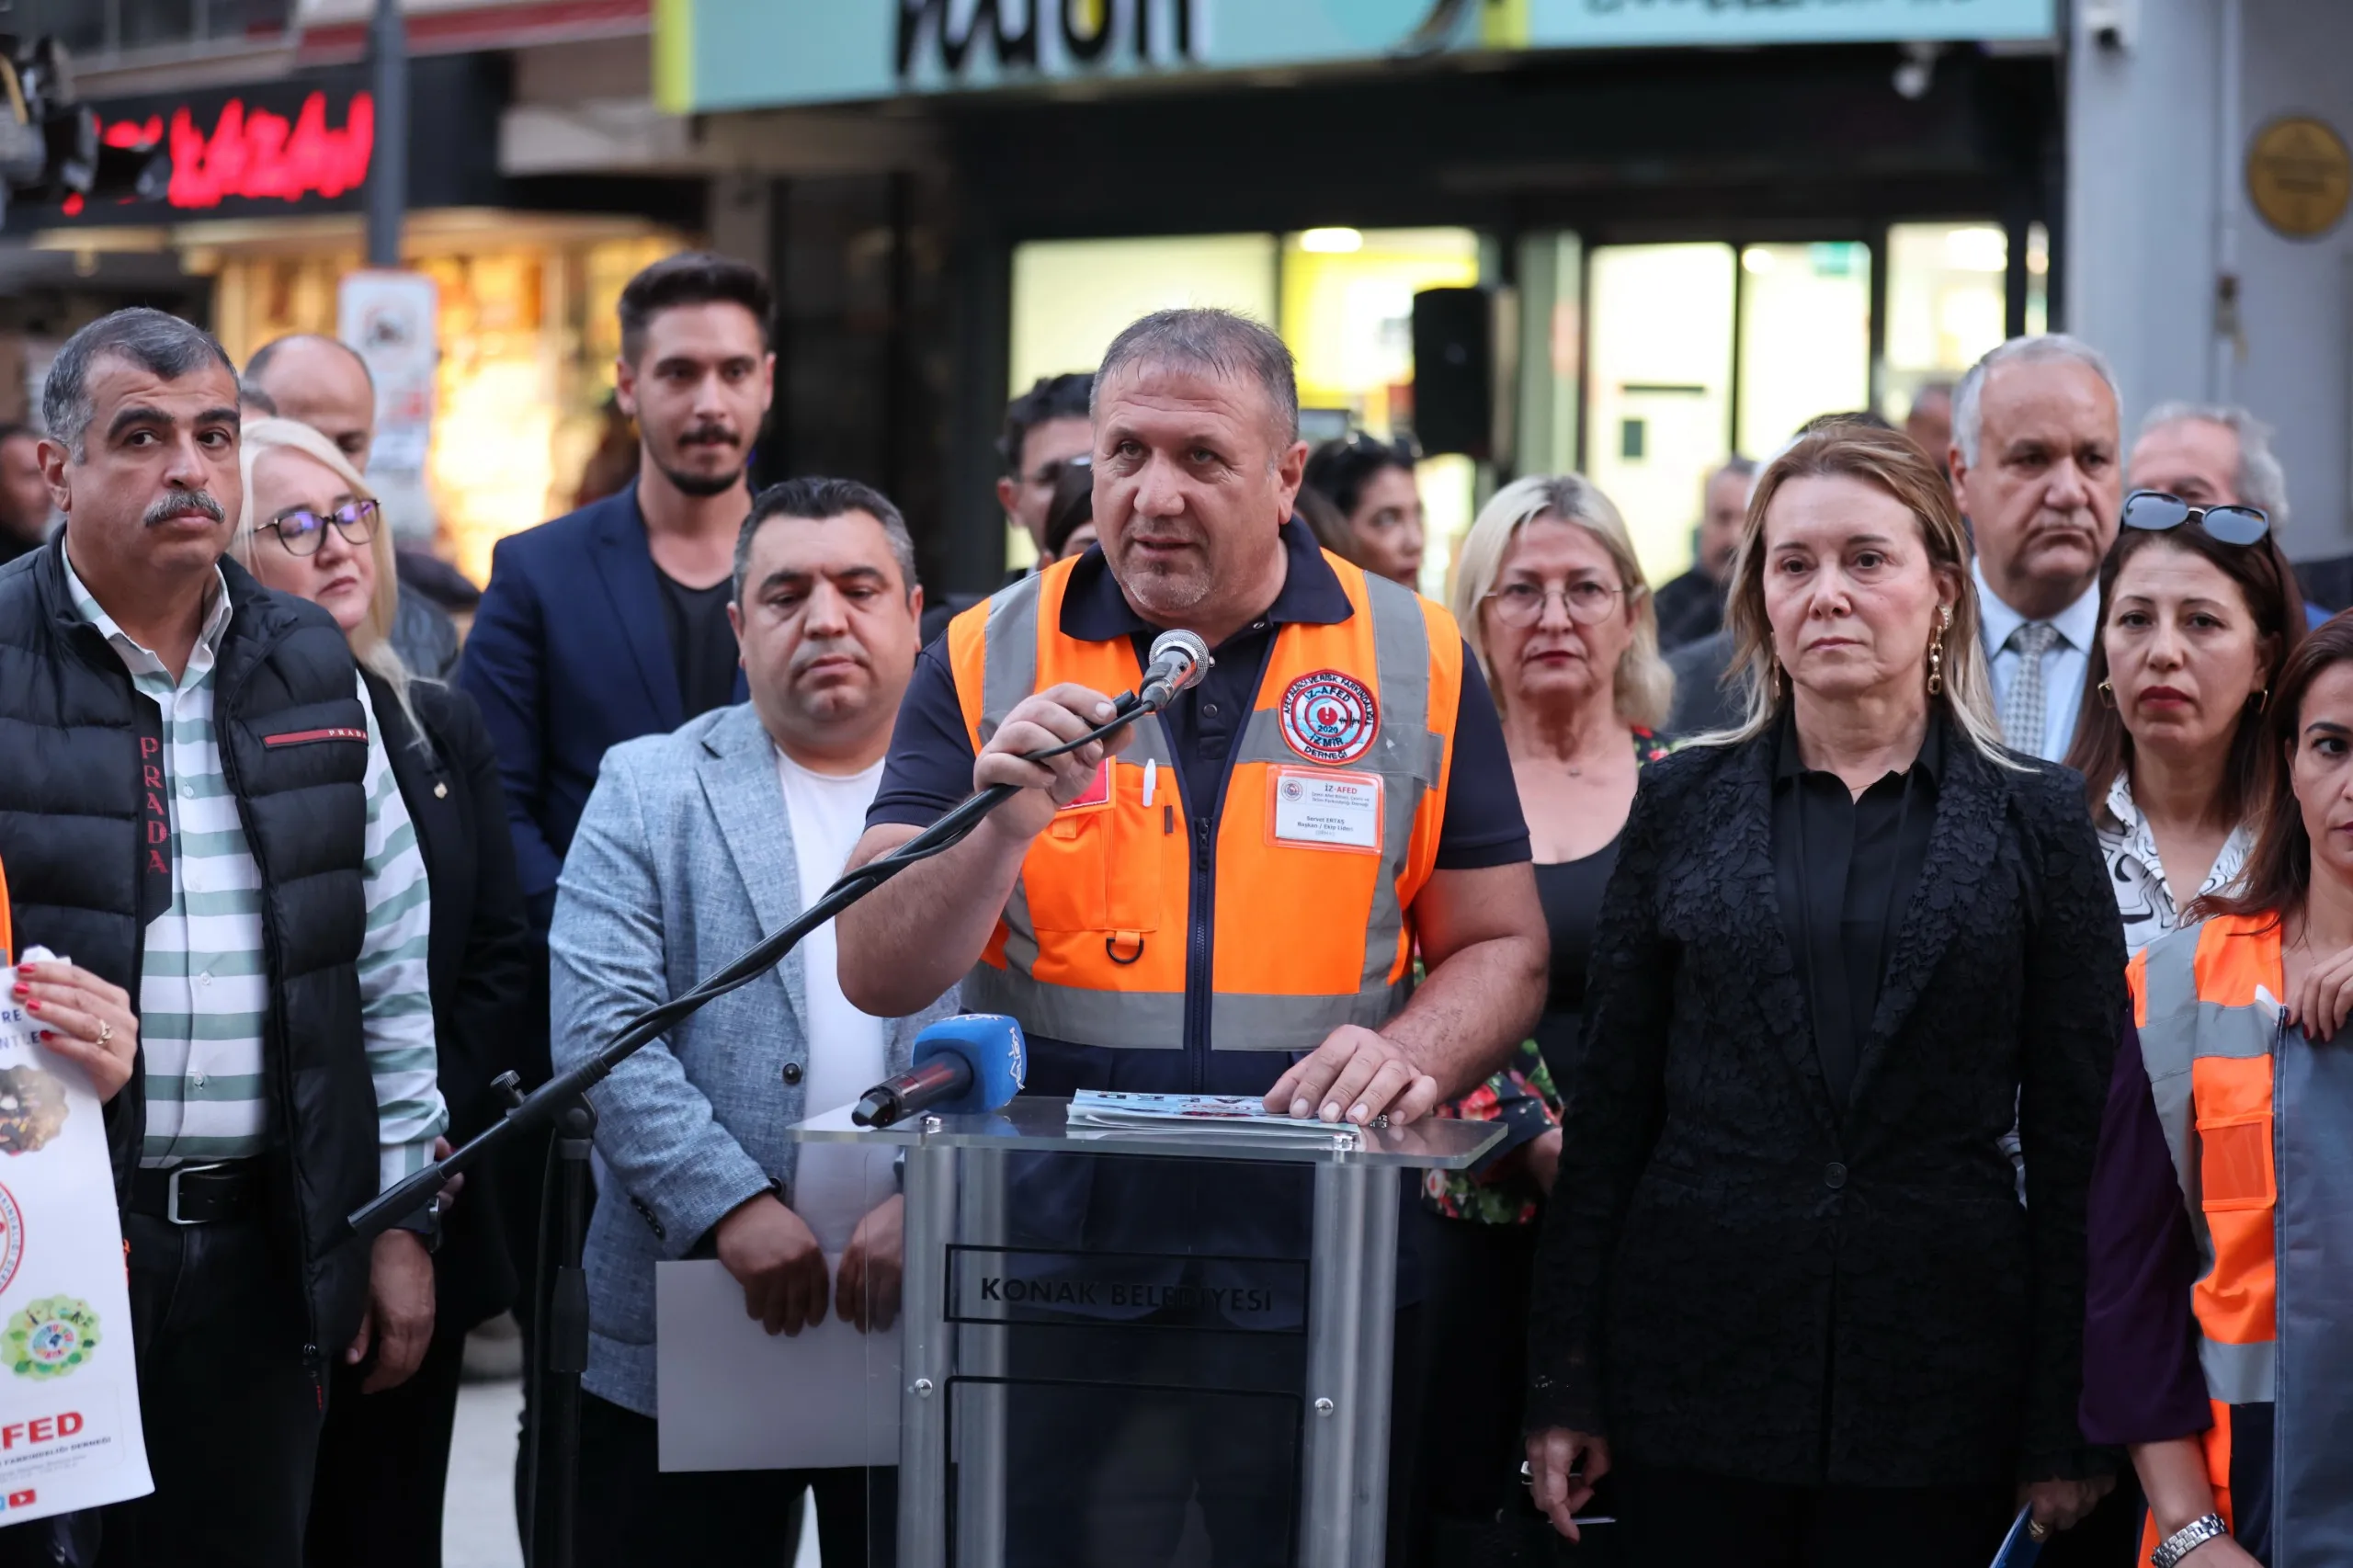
[834, 1184]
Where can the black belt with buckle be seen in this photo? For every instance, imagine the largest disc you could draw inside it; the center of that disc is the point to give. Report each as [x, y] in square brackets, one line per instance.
[197, 1195]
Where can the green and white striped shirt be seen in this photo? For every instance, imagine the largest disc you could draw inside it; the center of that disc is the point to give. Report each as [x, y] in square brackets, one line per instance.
[204, 986]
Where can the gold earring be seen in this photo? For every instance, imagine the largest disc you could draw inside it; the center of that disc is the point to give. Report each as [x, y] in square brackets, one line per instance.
[2107, 695]
[1936, 666]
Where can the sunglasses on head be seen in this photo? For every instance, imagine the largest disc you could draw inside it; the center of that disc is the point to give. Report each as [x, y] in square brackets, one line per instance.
[1364, 443]
[2157, 512]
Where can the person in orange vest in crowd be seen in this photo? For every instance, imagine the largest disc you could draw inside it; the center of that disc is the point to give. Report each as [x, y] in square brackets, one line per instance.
[1162, 911]
[2218, 1334]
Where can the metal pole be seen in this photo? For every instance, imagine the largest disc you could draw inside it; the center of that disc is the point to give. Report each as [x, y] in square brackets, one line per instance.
[927, 1350]
[1335, 1327]
[388, 167]
[981, 1353]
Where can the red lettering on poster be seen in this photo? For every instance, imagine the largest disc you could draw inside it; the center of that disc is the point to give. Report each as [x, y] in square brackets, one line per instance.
[41, 1429]
[256, 154]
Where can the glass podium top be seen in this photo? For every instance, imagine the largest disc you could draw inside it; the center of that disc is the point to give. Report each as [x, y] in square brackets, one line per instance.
[1040, 1123]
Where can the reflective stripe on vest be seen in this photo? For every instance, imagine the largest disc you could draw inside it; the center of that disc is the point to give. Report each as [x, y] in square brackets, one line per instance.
[1092, 946]
[2205, 1000]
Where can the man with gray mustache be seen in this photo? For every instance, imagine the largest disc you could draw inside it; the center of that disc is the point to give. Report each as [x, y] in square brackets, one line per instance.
[195, 809]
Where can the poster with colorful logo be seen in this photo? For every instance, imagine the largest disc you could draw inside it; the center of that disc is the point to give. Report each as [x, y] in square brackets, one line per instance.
[69, 1394]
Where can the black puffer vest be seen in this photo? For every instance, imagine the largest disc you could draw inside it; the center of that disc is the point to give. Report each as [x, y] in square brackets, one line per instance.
[72, 823]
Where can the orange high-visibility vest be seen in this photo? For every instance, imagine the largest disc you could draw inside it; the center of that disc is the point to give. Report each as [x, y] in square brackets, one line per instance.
[2209, 1040]
[1328, 831]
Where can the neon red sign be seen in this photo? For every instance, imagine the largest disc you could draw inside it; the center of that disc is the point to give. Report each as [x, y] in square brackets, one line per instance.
[256, 154]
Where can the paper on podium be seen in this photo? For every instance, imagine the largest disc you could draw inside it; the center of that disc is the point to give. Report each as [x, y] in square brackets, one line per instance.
[731, 1396]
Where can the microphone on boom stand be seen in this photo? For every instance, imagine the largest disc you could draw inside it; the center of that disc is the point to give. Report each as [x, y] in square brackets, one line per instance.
[977, 1063]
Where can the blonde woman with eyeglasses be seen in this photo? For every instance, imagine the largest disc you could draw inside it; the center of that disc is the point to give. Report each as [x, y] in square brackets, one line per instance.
[313, 528]
[1556, 610]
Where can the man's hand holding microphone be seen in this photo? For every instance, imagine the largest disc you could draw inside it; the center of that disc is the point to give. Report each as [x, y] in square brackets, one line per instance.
[1356, 1074]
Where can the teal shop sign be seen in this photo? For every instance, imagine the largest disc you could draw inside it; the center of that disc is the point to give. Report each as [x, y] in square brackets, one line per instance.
[723, 54]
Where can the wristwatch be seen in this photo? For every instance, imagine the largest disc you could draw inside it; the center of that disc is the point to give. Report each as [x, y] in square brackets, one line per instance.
[2186, 1539]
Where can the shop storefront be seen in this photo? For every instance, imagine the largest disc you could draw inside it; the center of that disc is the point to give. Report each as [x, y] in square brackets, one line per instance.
[1709, 223]
[264, 215]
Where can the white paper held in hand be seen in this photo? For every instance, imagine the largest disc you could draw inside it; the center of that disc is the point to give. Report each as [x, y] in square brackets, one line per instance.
[735, 1397]
[69, 1391]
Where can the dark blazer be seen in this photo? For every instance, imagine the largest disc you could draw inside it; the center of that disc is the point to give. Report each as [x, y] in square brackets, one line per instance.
[569, 656]
[1703, 701]
[479, 962]
[1736, 1279]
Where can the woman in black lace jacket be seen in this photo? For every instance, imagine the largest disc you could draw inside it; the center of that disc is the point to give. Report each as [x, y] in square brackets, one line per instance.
[1788, 1293]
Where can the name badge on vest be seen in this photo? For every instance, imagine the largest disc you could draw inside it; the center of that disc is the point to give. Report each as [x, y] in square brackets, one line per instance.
[1313, 808]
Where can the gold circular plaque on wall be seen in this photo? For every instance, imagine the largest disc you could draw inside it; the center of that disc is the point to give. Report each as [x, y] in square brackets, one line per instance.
[2298, 176]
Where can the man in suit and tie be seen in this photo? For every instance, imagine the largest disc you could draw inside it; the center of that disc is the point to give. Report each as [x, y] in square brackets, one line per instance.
[693, 847]
[611, 623]
[2039, 467]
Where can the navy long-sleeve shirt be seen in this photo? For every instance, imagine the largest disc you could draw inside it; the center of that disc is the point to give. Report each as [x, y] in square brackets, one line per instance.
[2141, 1381]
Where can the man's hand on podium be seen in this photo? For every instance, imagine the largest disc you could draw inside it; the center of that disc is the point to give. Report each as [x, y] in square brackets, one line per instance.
[774, 1256]
[867, 1293]
[1354, 1076]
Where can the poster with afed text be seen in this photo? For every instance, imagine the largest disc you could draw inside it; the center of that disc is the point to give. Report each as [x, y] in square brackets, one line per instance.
[69, 1392]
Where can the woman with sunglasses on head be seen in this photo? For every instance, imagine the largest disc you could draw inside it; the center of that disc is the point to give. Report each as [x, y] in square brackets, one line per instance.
[1371, 483]
[313, 528]
[2218, 1324]
[1555, 607]
[2199, 611]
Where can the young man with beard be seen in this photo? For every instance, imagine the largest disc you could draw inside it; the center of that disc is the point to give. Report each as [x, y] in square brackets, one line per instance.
[611, 623]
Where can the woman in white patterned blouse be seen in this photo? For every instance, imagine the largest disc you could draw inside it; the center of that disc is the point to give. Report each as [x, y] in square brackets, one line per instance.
[2200, 608]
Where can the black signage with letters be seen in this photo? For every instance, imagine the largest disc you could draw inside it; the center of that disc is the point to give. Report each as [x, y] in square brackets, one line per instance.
[305, 144]
[1089, 31]
[1116, 1290]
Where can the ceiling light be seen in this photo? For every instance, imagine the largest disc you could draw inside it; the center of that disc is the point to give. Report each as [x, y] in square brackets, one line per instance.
[1331, 241]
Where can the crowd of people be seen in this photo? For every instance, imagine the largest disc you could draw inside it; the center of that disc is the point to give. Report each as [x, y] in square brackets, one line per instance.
[1901, 952]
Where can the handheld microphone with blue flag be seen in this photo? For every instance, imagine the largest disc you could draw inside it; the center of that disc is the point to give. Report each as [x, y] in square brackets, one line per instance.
[973, 1062]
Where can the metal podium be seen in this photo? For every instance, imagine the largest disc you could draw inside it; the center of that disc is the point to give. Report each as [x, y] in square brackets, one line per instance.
[1169, 1347]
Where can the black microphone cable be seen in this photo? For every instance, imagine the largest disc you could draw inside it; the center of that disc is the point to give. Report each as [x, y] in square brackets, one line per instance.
[414, 1191]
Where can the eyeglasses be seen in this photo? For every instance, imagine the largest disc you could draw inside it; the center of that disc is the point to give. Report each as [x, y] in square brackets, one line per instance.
[1522, 603]
[301, 530]
[2157, 512]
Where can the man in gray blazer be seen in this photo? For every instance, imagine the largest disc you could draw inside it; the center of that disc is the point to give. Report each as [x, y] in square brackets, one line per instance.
[691, 847]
